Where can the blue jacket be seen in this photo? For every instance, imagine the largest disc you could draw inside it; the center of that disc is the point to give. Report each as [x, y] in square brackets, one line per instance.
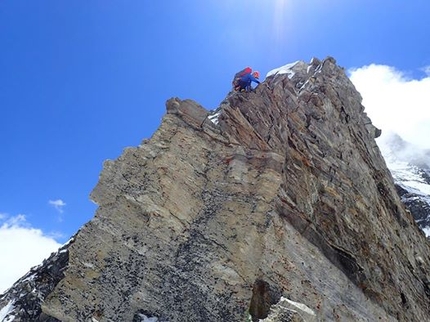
[245, 80]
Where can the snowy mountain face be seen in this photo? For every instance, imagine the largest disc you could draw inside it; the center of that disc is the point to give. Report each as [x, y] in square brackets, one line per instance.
[410, 167]
[22, 302]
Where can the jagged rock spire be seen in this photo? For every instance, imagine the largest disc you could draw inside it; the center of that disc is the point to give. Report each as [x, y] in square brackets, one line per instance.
[277, 204]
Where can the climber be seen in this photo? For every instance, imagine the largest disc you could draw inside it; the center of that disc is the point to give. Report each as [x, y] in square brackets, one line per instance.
[243, 79]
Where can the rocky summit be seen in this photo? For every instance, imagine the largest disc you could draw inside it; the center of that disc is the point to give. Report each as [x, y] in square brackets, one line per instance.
[277, 206]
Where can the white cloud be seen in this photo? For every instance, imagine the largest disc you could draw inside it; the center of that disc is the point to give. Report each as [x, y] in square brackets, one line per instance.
[58, 204]
[395, 102]
[21, 247]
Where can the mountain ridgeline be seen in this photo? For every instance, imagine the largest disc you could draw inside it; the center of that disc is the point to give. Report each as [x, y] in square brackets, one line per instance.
[278, 206]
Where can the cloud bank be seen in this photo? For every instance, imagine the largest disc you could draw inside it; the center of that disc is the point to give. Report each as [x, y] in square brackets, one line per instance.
[395, 102]
[21, 247]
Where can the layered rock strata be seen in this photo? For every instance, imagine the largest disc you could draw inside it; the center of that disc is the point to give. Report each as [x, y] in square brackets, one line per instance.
[278, 206]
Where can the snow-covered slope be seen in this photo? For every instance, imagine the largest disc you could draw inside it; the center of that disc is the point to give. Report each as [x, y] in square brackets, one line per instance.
[22, 302]
[410, 167]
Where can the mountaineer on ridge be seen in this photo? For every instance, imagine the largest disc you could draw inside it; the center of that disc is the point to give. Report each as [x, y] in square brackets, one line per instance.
[242, 80]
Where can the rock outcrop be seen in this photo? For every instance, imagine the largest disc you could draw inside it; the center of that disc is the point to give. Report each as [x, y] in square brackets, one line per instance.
[23, 301]
[277, 206]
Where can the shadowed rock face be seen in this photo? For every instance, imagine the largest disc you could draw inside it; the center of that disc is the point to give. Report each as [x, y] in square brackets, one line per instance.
[22, 302]
[282, 209]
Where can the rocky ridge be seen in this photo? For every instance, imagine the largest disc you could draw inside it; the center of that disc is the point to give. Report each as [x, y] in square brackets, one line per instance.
[23, 301]
[277, 206]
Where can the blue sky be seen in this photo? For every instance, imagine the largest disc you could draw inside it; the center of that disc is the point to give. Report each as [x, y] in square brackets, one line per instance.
[82, 80]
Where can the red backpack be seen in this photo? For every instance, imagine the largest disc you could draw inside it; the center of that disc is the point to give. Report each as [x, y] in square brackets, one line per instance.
[238, 76]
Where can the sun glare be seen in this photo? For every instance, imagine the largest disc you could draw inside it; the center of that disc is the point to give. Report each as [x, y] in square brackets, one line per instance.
[282, 22]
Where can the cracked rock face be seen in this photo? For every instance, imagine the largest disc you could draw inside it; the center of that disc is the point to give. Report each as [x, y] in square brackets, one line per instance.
[279, 208]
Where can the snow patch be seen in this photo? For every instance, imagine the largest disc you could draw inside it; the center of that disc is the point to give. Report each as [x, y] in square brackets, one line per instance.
[214, 117]
[30, 275]
[5, 311]
[426, 231]
[88, 265]
[286, 69]
[144, 318]
[71, 240]
[304, 85]
[300, 306]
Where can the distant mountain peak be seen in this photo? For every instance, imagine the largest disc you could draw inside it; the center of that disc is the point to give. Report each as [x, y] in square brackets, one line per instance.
[410, 167]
